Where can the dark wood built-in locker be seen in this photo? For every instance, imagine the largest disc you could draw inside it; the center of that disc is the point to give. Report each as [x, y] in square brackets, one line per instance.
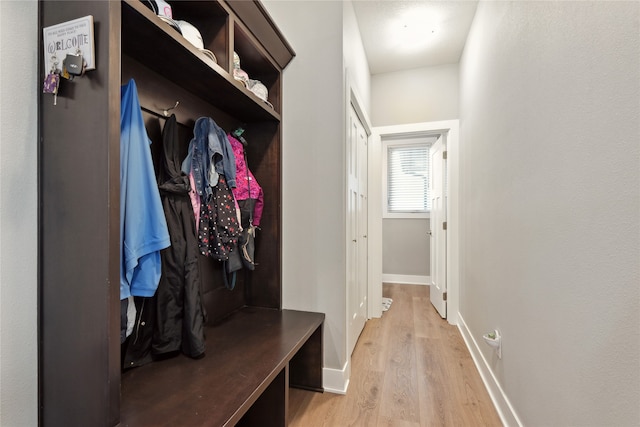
[254, 348]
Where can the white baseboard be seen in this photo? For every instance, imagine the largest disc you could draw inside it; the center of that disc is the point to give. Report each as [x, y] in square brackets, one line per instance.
[498, 397]
[406, 279]
[336, 380]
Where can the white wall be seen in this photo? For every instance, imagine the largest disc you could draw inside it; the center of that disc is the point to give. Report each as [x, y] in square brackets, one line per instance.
[313, 167]
[355, 59]
[550, 206]
[413, 96]
[405, 247]
[18, 213]
[325, 37]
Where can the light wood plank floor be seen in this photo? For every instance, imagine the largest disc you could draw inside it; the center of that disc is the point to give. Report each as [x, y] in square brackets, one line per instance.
[409, 368]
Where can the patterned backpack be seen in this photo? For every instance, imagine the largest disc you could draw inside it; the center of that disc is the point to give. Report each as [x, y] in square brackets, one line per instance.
[219, 230]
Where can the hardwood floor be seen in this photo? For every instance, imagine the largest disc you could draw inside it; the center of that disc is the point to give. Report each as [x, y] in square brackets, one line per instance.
[409, 368]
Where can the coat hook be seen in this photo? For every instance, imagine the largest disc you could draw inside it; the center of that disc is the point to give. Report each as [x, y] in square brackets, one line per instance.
[166, 110]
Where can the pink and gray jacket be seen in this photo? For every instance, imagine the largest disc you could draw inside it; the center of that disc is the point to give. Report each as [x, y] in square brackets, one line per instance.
[246, 185]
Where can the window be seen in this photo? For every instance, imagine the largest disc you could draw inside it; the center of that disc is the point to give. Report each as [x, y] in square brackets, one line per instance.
[407, 178]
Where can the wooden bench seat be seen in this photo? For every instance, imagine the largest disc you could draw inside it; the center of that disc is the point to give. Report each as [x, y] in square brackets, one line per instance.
[251, 360]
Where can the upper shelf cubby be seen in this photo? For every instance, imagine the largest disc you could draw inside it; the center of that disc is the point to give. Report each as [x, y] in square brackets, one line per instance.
[212, 20]
[253, 15]
[255, 61]
[156, 45]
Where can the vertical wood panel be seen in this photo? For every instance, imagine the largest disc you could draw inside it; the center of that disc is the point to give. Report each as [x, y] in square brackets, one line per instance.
[264, 158]
[79, 233]
[113, 212]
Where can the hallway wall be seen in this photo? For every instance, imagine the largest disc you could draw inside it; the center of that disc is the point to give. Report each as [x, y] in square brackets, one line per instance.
[18, 213]
[355, 59]
[312, 167]
[550, 206]
[427, 94]
[405, 247]
[326, 41]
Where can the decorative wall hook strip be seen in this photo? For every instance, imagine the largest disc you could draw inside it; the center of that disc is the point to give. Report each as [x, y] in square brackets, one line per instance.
[166, 110]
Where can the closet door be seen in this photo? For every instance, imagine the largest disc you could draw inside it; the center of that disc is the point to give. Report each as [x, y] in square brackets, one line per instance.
[357, 229]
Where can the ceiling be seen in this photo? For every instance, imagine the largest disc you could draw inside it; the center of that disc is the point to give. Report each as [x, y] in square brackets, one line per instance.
[404, 34]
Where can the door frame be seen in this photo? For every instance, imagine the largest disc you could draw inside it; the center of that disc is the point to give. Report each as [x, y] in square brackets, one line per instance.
[450, 130]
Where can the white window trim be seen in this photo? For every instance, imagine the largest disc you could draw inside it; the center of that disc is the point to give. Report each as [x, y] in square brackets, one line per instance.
[386, 143]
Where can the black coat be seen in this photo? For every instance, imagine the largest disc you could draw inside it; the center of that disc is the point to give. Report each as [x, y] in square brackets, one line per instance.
[179, 310]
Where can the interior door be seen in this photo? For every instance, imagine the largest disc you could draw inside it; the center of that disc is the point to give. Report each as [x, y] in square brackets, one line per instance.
[357, 229]
[363, 212]
[438, 226]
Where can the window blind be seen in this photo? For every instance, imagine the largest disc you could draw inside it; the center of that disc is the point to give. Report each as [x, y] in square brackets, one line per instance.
[408, 178]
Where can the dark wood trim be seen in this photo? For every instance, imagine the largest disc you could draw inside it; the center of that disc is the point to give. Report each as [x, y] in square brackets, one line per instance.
[255, 16]
[113, 176]
[40, 255]
[306, 365]
[79, 232]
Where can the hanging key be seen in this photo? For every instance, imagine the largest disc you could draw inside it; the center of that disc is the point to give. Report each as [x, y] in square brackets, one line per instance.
[52, 81]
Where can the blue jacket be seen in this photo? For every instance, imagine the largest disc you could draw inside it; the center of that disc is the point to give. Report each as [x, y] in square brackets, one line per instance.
[143, 227]
[210, 154]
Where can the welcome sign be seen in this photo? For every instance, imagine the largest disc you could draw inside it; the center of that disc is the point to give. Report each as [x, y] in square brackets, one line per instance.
[69, 37]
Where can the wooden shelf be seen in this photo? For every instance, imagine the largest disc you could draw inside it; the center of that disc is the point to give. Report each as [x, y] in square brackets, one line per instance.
[156, 44]
[246, 355]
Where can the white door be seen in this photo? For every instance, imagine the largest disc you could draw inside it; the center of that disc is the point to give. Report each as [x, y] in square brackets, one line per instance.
[438, 225]
[363, 212]
[357, 229]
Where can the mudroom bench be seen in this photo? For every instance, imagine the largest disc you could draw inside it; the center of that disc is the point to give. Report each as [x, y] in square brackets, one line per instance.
[252, 358]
